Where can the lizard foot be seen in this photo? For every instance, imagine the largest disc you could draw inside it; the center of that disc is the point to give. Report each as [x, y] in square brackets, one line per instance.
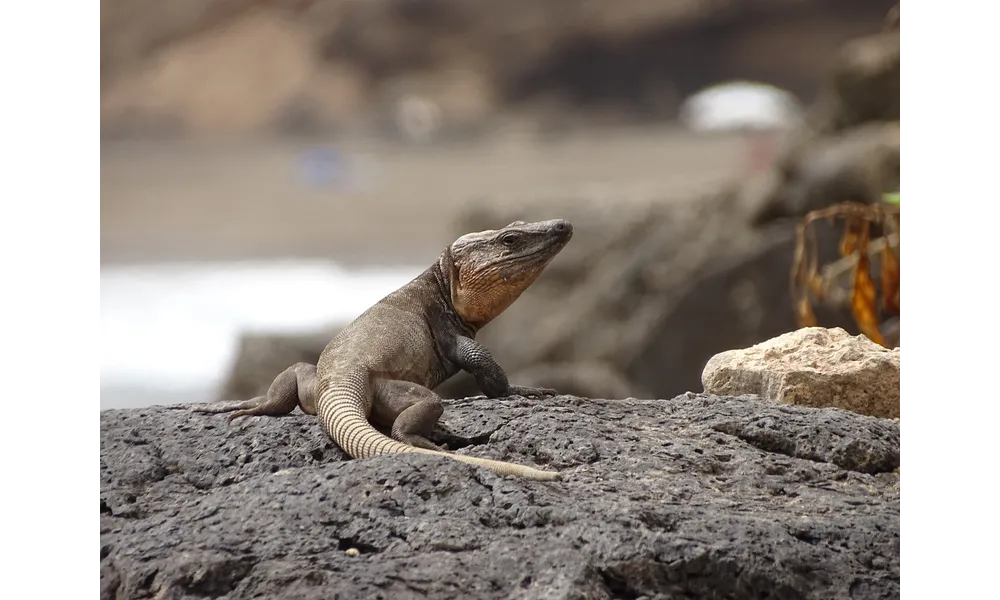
[530, 392]
[215, 408]
[242, 408]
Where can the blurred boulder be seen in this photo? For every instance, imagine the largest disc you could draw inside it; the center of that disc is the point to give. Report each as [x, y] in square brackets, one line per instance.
[260, 357]
[858, 164]
[849, 149]
[864, 85]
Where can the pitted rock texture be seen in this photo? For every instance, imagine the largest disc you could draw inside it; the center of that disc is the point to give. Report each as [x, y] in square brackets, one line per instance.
[694, 497]
[812, 366]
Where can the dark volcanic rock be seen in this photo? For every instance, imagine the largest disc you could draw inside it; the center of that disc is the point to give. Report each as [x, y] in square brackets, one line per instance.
[695, 497]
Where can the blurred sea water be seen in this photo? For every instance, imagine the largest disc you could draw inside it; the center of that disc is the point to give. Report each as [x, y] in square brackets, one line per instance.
[169, 331]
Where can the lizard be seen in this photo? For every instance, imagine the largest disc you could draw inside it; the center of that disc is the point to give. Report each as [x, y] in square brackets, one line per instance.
[384, 365]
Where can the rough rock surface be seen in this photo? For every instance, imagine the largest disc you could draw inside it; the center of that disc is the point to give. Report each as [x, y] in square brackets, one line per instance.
[698, 496]
[812, 366]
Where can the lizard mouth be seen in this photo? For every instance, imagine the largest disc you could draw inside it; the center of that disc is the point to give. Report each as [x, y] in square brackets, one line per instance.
[556, 237]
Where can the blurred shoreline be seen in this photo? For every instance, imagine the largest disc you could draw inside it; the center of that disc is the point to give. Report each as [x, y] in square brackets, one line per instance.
[380, 202]
[169, 332]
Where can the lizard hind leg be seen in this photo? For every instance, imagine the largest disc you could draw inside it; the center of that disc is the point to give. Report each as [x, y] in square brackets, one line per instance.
[295, 386]
[410, 409]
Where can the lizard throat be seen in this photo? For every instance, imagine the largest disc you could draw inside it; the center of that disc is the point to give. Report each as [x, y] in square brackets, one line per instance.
[479, 298]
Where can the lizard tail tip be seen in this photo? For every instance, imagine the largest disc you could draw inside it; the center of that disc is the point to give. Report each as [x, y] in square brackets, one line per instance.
[546, 475]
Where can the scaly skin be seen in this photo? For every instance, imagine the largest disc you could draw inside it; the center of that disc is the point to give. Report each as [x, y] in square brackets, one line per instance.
[385, 364]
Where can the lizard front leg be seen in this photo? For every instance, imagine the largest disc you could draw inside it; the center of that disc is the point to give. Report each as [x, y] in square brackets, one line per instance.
[410, 409]
[490, 376]
[295, 386]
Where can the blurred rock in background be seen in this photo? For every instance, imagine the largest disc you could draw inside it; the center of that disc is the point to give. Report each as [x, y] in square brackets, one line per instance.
[406, 66]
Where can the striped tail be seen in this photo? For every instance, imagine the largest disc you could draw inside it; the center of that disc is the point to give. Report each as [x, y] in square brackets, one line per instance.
[343, 418]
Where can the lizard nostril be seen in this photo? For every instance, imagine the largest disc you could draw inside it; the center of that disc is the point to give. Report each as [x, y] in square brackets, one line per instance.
[562, 226]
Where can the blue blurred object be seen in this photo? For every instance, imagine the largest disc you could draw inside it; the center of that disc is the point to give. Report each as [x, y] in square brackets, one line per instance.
[324, 166]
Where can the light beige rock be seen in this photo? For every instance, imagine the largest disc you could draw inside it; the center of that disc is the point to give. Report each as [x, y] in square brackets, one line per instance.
[224, 81]
[813, 366]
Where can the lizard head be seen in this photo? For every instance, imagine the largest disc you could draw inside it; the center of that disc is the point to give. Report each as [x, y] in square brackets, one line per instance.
[490, 269]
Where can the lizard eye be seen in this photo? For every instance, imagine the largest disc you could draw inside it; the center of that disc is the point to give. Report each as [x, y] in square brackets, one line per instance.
[509, 239]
